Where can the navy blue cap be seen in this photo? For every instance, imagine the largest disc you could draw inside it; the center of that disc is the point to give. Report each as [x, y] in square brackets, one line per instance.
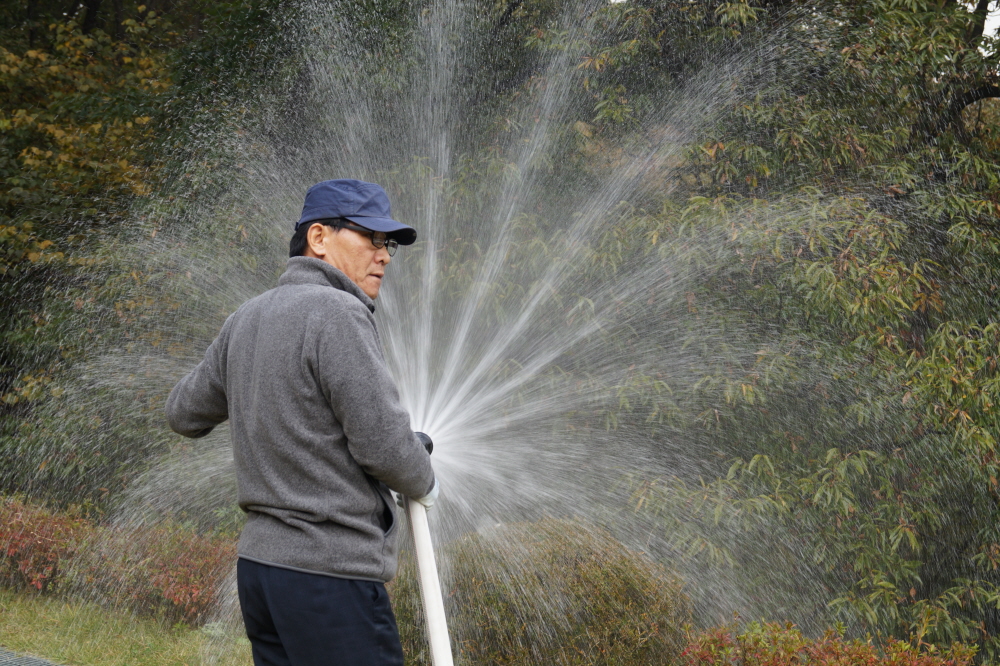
[365, 204]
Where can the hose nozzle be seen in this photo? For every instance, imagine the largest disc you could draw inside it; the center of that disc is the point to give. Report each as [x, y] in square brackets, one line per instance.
[425, 440]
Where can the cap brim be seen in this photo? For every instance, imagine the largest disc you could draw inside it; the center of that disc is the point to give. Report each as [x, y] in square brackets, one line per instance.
[401, 233]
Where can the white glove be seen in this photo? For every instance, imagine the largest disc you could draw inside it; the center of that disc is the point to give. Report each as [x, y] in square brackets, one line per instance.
[428, 499]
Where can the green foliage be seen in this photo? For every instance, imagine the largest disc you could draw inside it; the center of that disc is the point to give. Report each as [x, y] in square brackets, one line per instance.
[87, 135]
[843, 213]
[556, 592]
[83, 632]
[838, 213]
[74, 125]
[776, 645]
[861, 440]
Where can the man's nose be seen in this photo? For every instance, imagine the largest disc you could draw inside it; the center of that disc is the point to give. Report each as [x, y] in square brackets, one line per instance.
[382, 256]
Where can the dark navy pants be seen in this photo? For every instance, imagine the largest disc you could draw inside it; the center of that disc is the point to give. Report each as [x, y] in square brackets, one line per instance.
[301, 619]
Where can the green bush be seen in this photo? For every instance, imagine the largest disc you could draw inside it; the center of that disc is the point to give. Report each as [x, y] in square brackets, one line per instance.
[784, 645]
[551, 592]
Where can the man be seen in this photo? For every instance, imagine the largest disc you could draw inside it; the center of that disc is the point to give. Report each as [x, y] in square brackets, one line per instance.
[319, 438]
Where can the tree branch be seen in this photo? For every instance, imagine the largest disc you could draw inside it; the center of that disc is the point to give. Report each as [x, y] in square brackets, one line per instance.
[73, 8]
[959, 102]
[981, 11]
[93, 7]
[972, 96]
[116, 29]
[507, 16]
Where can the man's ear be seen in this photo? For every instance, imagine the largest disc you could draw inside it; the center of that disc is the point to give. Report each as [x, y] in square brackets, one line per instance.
[314, 240]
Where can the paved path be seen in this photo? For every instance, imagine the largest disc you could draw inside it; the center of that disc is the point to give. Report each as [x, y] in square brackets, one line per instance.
[11, 659]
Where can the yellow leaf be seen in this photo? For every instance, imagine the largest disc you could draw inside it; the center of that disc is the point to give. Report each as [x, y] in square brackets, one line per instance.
[34, 256]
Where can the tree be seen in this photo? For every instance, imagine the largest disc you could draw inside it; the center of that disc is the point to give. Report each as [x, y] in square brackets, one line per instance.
[855, 176]
[88, 131]
[75, 123]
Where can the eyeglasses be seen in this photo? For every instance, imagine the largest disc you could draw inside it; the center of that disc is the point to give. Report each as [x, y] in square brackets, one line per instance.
[377, 237]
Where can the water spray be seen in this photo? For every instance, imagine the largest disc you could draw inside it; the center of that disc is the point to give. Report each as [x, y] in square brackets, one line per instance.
[430, 584]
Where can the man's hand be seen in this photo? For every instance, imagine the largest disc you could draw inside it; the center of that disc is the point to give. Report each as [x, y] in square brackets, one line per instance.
[428, 499]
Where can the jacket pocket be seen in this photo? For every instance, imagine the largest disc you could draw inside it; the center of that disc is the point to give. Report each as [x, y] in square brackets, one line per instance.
[386, 517]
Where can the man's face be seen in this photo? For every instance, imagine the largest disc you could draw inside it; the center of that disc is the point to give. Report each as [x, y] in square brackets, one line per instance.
[352, 253]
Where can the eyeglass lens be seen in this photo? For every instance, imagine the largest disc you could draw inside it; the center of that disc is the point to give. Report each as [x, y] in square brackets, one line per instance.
[389, 243]
[378, 238]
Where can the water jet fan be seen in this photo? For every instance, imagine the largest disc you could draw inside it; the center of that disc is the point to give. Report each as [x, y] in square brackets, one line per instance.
[549, 345]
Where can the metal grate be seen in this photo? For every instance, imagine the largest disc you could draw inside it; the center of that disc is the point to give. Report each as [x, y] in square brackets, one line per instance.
[11, 659]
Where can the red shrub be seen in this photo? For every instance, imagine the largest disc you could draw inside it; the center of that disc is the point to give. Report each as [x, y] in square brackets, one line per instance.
[164, 569]
[186, 568]
[35, 544]
[784, 645]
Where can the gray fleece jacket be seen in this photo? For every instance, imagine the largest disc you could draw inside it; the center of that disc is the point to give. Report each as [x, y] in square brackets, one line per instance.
[318, 432]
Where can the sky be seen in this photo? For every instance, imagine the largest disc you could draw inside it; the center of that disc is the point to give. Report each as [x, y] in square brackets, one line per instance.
[993, 20]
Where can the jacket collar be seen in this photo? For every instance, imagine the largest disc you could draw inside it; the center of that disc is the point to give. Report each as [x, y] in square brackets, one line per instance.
[309, 270]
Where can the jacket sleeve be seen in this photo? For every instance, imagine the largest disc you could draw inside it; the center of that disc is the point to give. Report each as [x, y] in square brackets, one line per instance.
[198, 402]
[364, 399]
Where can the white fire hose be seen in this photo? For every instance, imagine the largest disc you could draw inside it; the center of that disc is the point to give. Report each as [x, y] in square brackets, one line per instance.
[430, 585]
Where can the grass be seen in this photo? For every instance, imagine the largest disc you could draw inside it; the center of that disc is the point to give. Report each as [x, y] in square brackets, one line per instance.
[80, 634]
